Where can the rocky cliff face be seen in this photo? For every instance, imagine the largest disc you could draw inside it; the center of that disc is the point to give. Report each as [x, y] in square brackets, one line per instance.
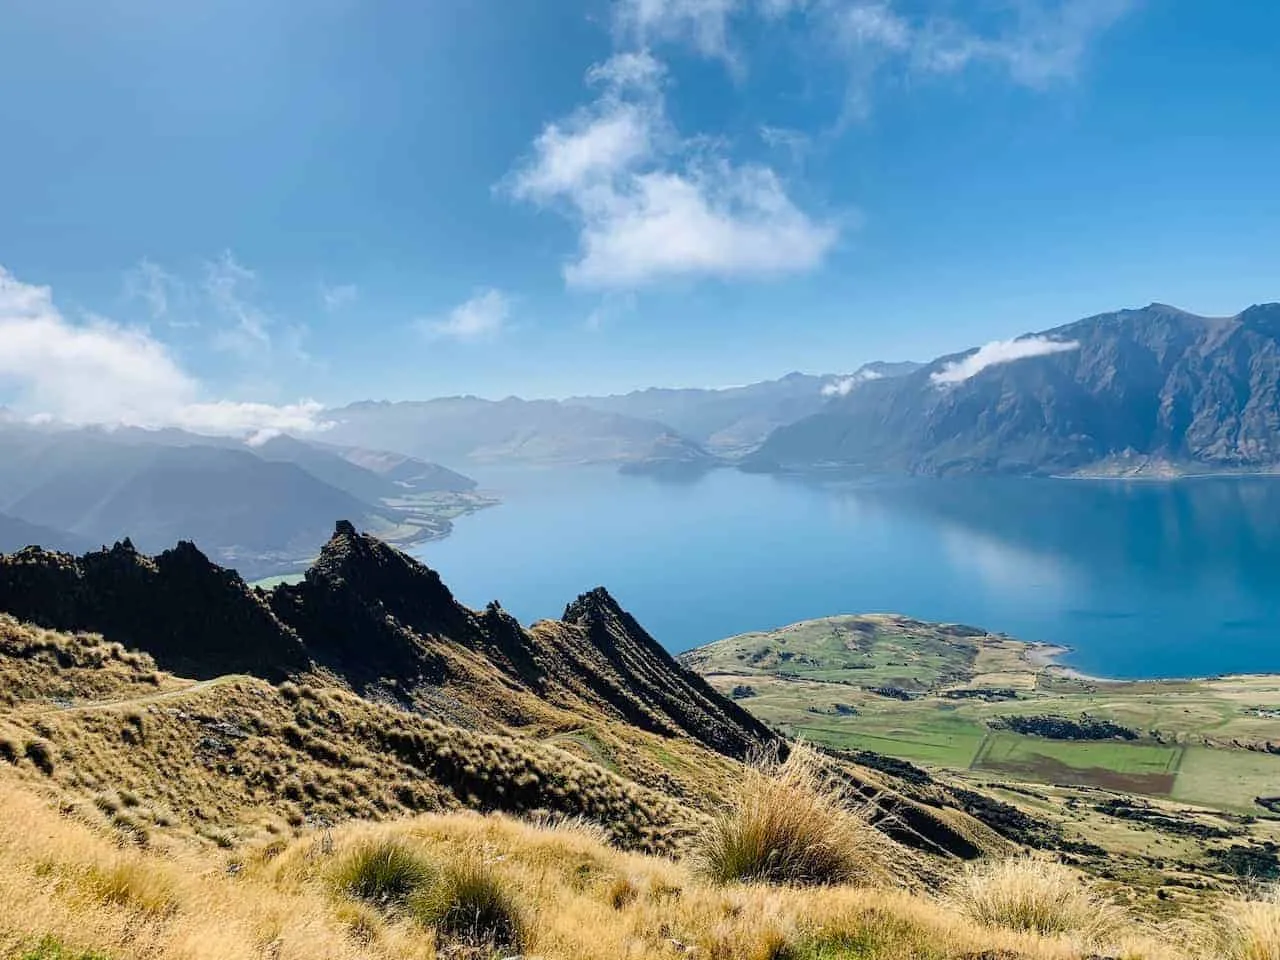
[194, 617]
[1155, 383]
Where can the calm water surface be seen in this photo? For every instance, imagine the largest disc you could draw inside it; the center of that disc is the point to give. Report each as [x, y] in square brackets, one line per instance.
[1140, 579]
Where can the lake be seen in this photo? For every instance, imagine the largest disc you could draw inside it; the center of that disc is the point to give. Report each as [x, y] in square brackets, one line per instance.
[1140, 579]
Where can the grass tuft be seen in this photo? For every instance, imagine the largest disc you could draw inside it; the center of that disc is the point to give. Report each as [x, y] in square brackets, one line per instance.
[1251, 928]
[385, 873]
[791, 822]
[471, 905]
[1033, 895]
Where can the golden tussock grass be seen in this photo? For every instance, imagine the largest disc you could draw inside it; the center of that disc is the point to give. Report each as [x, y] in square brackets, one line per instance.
[553, 890]
[1029, 893]
[1251, 927]
[791, 821]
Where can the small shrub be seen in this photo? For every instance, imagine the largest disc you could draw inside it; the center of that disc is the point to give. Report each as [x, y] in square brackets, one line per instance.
[1034, 895]
[386, 873]
[9, 750]
[1250, 928]
[791, 822]
[471, 905]
[40, 752]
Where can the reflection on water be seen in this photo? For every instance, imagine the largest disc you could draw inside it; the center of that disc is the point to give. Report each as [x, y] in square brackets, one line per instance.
[1140, 578]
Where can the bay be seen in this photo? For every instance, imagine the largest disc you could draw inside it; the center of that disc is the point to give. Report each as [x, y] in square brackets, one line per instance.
[1139, 579]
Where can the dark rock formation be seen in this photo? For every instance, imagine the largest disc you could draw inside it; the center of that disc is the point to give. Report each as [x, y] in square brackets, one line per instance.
[194, 617]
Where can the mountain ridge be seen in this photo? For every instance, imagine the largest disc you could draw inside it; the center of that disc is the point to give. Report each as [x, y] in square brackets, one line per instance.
[1155, 382]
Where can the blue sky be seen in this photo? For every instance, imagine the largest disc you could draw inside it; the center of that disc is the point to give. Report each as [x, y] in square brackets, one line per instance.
[227, 208]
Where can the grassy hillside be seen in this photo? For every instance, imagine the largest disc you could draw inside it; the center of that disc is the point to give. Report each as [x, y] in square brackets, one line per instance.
[391, 774]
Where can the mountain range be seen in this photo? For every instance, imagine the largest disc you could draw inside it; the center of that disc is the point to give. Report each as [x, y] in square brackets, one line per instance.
[1152, 389]
[264, 509]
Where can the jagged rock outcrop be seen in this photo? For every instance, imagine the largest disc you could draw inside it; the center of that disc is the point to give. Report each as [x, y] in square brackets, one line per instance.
[194, 617]
[381, 621]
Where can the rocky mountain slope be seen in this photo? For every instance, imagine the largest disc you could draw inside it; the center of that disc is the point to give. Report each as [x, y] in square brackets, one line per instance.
[732, 421]
[1150, 388]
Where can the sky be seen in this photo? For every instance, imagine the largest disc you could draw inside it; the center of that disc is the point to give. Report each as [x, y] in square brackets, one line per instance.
[228, 214]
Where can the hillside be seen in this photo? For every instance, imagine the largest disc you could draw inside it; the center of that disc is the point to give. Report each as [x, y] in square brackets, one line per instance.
[16, 534]
[1154, 390]
[458, 430]
[732, 421]
[262, 509]
[179, 753]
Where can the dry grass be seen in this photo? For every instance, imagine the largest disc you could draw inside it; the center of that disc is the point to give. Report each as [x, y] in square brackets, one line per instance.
[792, 822]
[1250, 928]
[63, 880]
[1036, 895]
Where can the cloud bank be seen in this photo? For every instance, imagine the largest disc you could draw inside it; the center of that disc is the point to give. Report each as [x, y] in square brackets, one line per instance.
[99, 372]
[652, 205]
[998, 352]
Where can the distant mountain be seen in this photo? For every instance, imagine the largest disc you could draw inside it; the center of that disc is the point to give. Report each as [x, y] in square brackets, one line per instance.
[468, 429]
[734, 420]
[243, 507]
[405, 472]
[16, 534]
[1153, 389]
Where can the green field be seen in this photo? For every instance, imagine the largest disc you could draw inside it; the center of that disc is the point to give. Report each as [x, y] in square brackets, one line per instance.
[1227, 778]
[933, 740]
[1113, 764]
[929, 693]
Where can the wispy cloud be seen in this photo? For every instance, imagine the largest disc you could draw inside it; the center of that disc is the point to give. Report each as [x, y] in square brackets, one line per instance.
[336, 297]
[99, 372]
[998, 352]
[844, 386]
[1036, 42]
[482, 317]
[228, 284]
[702, 23]
[652, 205]
[157, 288]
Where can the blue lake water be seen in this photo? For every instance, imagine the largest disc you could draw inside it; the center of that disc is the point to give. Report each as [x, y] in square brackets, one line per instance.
[1139, 579]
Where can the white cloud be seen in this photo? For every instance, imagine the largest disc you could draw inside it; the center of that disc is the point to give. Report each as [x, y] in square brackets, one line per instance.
[337, 297]
[702, 23]
[844, 386]
[998, 352]
[1037, 42]
[99, 372]
[651, 205]
[480, 318]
